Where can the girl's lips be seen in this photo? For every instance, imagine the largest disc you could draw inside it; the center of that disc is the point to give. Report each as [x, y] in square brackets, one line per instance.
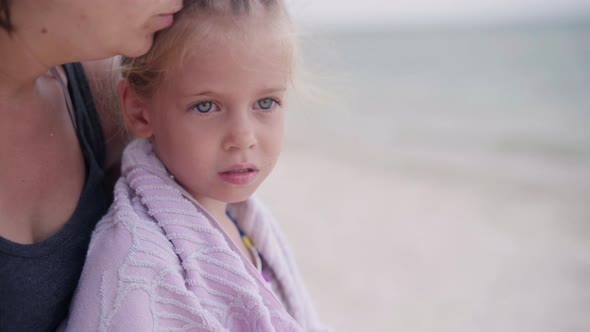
[239, 174]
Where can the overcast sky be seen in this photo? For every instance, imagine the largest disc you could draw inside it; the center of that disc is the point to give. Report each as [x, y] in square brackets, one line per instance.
[366, 12]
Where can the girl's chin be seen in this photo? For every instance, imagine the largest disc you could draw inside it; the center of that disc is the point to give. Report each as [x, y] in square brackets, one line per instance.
[239, 195]
[225, 195]
[227, 198]
[237, 199]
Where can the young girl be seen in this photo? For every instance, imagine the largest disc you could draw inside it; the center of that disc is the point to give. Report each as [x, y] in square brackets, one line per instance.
[185, 246]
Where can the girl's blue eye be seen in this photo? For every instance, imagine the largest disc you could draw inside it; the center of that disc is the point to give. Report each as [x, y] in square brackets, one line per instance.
[204, 107]
[265, 103]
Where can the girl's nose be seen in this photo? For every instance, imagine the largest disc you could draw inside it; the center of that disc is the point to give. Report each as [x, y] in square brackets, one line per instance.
[240, 133]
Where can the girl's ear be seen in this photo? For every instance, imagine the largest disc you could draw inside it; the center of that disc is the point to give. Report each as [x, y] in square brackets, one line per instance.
[135, 111]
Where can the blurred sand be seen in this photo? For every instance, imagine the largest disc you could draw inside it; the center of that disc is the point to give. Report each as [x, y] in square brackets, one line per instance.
[402, 247]
[441, 179]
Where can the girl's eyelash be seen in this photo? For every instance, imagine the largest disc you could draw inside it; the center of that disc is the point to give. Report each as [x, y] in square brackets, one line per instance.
[195, 107]
[277, 101]
[266, 105]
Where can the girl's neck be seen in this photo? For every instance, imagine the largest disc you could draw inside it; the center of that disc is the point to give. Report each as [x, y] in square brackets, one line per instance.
[214, 207]
[218, 209]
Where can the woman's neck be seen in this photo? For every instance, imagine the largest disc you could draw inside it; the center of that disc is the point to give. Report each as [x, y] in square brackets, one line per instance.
[21, 66]
[29, 114]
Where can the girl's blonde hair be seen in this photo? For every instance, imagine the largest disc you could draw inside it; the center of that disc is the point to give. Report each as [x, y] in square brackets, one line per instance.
[197, 20]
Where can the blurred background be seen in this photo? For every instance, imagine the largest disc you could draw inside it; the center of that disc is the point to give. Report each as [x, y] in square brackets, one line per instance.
[436, 172]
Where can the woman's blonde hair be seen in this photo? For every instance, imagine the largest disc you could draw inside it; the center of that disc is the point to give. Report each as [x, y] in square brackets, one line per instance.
[196, 21]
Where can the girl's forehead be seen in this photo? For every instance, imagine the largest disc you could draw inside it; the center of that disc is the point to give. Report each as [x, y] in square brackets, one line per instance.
[247, 44]
[245, 63]
[225, 61]
[242, 31]
[221, 47]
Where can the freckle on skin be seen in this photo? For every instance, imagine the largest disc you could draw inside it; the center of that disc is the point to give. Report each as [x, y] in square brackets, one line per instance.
[44, 30]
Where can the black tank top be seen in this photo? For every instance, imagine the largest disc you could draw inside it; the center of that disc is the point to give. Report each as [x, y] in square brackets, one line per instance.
[37, 281]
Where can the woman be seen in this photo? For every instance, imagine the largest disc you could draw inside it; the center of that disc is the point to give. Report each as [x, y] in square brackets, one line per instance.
[59, 140]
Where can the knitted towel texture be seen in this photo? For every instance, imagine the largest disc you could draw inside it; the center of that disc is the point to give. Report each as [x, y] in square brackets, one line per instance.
[159, 262]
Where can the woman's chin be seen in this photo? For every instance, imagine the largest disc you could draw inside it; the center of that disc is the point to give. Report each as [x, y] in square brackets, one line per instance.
[140, 48]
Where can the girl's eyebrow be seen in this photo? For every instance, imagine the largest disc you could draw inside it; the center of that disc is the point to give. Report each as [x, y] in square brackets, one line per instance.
[273, 90]
[212, 93]
[200, 93]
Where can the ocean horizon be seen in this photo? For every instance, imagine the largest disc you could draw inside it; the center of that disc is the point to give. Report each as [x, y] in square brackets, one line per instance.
[513, 97]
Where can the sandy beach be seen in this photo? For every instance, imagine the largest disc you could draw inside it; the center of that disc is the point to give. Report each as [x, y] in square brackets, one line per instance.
[395, 250]
[445, 184]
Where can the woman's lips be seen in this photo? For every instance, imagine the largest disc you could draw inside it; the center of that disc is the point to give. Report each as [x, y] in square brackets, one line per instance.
[165, 20]
[239, 174]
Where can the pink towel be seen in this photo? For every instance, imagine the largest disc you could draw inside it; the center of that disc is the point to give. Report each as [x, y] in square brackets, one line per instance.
[159, 262]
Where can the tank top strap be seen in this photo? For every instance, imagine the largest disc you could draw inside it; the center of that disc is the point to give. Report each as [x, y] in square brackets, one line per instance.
[85, 115]
[67, 98]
